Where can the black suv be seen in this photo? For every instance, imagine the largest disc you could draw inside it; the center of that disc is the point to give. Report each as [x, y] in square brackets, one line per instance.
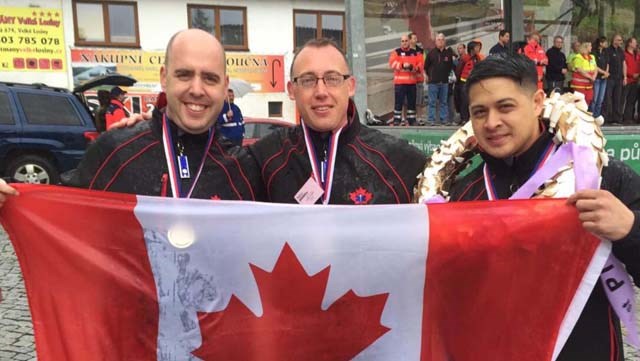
[44, 131]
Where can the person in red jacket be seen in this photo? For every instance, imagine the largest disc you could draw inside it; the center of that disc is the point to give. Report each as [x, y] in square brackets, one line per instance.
[632, 75]
[406, 64]
[115, 111]
[535, 52]
[465, 66]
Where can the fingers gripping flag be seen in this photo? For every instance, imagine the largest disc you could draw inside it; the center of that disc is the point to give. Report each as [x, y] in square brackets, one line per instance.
[119, 277]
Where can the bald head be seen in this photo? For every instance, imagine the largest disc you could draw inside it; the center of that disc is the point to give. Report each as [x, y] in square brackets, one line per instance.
[194, 79]
[192, 37]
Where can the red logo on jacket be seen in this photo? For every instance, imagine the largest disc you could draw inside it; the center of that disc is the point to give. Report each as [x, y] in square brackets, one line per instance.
[360, 196]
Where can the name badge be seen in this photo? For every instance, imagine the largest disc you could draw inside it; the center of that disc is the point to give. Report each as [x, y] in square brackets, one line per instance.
[183, 164]
[309, 193]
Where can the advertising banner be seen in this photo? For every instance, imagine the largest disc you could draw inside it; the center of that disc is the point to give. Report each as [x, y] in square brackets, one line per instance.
[31, 39]
[265, 73]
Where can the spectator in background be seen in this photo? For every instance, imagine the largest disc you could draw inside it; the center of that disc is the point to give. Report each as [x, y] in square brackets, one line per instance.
[502, 46]
[230, 121]
[557, 67]
[632, 72]
[465, 66]
[458, 87]
[406, 63]
[115, 111]
[600, 85]
[613, 95]
[534, 51]
[575, 50]
[438, 65]
[584, 72]
[100, 121]
[413, 43]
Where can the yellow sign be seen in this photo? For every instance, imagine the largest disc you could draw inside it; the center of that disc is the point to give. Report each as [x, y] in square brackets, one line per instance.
[265, 73]
[31, 39]
[144, 66]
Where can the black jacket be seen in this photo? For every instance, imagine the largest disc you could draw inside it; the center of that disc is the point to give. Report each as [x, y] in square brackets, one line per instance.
[597, 335]
[616, 61]
[370, 167]
[557, 62]
[438, 64]
[602, 60]
[132, 160]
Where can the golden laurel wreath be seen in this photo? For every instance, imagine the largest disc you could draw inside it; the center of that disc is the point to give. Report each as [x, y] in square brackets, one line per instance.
[567, 118]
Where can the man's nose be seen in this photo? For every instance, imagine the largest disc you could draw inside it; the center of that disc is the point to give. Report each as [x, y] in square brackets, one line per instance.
[196, 87]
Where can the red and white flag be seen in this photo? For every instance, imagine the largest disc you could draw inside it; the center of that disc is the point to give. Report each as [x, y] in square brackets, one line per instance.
[118, 277]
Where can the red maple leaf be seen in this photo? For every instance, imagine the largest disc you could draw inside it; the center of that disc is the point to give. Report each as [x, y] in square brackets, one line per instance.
[293, 325]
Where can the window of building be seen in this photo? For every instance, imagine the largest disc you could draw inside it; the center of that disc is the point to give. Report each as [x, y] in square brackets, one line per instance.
[6, 115]
[318, 24]
[228, 24]
[39, 108]
[275, 109]
[106, 23]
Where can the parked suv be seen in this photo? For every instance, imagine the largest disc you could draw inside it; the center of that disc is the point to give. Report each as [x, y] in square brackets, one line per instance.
[44, 131]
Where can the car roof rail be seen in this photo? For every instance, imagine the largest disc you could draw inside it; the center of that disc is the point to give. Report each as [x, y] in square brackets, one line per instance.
[34, 86]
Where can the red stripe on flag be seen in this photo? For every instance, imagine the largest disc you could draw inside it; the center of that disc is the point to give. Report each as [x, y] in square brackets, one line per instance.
[491, 268]
[80, 311]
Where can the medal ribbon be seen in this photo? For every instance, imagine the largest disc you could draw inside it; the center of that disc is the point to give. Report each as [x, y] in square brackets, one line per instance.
[172, 166]
[492, 194]
[322, 170]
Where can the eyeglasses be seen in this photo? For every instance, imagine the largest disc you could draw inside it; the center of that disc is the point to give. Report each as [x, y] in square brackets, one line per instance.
[332, 80]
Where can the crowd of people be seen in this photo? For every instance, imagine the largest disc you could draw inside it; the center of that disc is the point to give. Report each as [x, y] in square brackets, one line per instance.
[606, 74]
[330, 158]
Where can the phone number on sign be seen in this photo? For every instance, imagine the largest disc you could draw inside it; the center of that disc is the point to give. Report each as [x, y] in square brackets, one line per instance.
[28, 40]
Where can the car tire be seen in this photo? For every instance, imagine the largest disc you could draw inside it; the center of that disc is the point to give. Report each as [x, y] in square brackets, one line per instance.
[33, 169]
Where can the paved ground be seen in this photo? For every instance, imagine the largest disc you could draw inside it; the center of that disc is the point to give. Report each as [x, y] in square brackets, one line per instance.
[16, 333]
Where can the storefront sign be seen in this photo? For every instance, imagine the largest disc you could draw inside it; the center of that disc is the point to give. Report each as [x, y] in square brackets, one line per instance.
[265, 73]
[31, 39]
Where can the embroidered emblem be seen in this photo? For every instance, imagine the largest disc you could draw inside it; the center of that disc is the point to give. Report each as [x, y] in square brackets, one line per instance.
[360, 196]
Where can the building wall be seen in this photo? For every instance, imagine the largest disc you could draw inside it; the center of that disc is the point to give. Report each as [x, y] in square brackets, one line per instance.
[269, 32]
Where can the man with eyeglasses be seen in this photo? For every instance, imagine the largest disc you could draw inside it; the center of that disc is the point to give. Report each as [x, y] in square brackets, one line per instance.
[330, 158]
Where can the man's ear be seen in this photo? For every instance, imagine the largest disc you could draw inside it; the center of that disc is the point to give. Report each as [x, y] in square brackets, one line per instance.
[351, 83]
[290, 90]
[163, 77]
[538, 100]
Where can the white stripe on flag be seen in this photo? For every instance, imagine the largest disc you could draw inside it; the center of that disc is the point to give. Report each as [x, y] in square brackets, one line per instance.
[590, 278]
[371, 250]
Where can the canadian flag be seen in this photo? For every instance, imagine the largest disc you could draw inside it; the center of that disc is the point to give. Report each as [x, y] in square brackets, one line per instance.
[118, 277]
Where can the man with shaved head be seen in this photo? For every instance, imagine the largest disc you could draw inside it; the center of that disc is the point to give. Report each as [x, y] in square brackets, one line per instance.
[177, 153]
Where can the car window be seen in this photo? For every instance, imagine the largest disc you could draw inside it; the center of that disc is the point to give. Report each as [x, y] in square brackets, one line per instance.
[6, 115]
[250, 130]
[48, 110]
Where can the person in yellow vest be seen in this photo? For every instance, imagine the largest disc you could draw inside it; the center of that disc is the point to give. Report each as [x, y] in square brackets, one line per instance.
[584, 72]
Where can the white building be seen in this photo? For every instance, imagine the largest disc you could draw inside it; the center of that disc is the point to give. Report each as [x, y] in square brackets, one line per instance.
[130, 36]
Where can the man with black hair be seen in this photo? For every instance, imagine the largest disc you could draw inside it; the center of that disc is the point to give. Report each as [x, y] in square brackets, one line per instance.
[505, 106]
[502, 46]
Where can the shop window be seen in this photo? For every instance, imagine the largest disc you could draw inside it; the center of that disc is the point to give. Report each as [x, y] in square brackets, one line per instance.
[275, 109]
